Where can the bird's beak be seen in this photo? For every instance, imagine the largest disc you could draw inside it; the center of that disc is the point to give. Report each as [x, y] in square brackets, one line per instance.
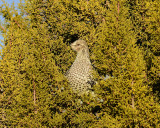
[72, 45]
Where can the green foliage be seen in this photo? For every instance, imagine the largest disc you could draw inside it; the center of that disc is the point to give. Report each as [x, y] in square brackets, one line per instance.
[123, 38]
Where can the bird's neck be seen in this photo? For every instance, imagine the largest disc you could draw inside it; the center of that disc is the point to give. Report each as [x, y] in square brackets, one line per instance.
[83, 55]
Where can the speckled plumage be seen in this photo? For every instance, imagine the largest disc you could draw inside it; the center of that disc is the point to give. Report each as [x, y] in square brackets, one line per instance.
[80, 73]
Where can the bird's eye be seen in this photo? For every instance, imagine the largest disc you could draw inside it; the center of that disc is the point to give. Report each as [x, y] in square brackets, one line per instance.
[78, 44]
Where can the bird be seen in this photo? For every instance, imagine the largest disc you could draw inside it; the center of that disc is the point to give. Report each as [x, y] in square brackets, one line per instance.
[80, 73]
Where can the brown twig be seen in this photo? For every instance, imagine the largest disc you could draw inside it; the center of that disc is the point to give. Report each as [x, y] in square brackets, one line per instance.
[132, 95]
[34, 93]
[20, 59]
[17, 24]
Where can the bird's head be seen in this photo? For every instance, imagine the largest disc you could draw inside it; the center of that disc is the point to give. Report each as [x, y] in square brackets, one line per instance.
[79, 45]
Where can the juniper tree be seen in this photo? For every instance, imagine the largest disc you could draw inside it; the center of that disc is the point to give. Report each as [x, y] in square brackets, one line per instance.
[145, 16]
[35, 91]
[37, 53]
